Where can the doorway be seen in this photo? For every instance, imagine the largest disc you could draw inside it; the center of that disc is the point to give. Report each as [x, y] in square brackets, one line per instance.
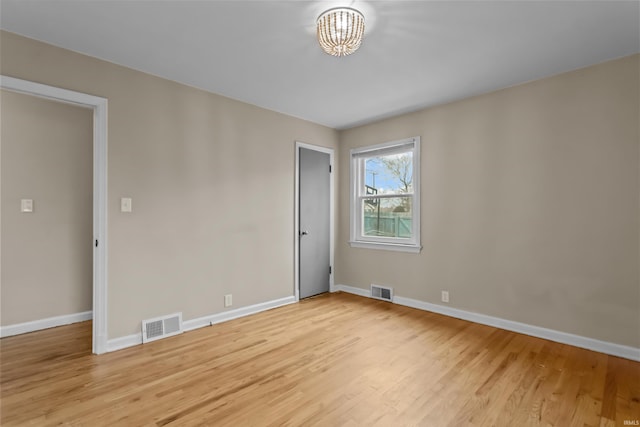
[99, 107]
[314, 220]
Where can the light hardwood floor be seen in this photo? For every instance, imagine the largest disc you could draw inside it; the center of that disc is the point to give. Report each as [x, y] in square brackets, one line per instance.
[333, 360]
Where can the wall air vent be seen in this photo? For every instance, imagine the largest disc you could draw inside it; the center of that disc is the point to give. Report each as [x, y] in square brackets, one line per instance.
[382, 292]
[161, 327]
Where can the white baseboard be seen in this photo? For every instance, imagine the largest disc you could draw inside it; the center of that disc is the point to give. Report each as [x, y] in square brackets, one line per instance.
[352, 290]
[115, 344]
[192, 324]
[189, 325]
[613, 349]
[50, 322]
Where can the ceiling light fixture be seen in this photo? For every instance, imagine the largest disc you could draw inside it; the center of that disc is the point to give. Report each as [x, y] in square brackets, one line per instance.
[340, 30]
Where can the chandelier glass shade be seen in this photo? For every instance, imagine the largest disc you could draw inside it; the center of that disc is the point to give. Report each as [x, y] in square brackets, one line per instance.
[340, 30]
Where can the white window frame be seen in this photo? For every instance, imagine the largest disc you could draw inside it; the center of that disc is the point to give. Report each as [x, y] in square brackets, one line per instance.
[358, 156]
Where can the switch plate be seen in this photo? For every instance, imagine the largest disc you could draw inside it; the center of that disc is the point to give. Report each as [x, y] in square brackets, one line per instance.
[125, 204]
[445, 296]
[228, 300]
[26, 205]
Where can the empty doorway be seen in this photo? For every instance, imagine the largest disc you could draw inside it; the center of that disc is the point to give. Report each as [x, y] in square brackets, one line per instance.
[47, 202]
[98, 242]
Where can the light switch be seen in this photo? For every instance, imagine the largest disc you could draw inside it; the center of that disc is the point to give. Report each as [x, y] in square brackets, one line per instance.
[26, 205]
[125, 204]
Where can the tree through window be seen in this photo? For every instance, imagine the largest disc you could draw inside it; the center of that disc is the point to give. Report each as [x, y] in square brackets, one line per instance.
[385, 198]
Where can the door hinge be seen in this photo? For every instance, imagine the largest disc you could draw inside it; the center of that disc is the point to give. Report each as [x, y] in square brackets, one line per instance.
[329, 168]
[330, 270]
[96, 243]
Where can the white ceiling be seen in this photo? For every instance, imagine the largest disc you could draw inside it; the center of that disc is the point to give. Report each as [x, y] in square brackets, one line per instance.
[415, 53]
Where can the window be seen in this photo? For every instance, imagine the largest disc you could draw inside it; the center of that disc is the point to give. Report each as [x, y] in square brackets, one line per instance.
[385, 196]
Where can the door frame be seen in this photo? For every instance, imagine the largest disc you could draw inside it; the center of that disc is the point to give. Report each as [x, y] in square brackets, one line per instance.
[296, 229]
[99, 107]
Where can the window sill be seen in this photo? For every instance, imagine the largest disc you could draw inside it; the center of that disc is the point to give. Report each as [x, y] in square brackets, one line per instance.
[386, 246]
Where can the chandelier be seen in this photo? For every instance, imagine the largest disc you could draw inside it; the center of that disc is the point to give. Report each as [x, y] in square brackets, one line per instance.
[340, 30]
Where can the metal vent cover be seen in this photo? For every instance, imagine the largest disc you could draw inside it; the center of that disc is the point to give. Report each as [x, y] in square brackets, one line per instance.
[382, 292]
[161, 327]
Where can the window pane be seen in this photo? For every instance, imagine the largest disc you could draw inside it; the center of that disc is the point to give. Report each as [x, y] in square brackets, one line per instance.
[388, 217]
[388, 174]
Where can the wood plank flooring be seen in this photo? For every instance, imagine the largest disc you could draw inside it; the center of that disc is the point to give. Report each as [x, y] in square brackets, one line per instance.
[333, 360]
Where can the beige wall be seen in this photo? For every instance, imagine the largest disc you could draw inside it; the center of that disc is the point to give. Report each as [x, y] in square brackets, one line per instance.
[47, 156]
[530, 204]
[212, 183]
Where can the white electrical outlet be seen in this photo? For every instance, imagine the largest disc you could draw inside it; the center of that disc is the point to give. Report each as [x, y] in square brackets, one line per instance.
[445, 296]
[228, 300]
